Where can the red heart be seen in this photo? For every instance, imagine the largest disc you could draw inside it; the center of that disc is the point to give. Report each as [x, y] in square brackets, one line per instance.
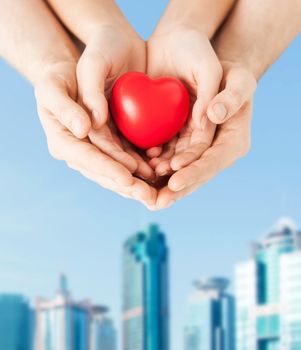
[149, 112]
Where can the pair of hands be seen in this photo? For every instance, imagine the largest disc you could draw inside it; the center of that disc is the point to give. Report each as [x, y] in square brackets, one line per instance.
[72, 105]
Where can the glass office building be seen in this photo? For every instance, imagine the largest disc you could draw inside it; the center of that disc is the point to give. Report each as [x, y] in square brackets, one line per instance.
[209, 319]
[62, 324]
[102, 331]
[16, 323]
[145, 291]
[268, 293]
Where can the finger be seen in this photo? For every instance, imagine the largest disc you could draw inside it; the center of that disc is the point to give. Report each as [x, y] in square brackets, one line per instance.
[166, 198]
[139, 190]
[143, 170]
[163, 167]
[55, 98]
[83, 155]
[200, 141]
[92, 71]
[239, 88]
[104, 141]
[154, 152]
[209, 165]
[208, 81]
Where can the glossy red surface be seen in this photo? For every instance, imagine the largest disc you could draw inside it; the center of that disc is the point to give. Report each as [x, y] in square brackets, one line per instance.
[149, 112]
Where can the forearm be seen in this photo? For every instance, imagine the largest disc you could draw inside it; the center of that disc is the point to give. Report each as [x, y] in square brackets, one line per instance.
[31, 38]
[203, 15]
[84, 17]
[257, 32]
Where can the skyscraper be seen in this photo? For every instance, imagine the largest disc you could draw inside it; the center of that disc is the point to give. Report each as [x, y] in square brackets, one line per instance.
[268, 292]
[16, 323]
[102, 331]
[145, 291]
[209, 319]
[62, 324]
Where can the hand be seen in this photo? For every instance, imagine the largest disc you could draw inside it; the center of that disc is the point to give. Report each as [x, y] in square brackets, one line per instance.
[231, 142]
[109, 53]
[187, 55]
[56, 93]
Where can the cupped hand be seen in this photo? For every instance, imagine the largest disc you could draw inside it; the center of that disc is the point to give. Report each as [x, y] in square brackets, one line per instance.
[56, 94]
[231, 142]
[185, 54]
[111, 52]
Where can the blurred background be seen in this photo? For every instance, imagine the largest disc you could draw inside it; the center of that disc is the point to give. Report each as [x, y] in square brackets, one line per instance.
[83, 269]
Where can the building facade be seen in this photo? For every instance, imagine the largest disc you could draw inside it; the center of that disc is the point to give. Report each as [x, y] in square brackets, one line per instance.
[16, 323]
[145, 291]
[62, 324]
[268, 293]
[102, 331]
[209, 319]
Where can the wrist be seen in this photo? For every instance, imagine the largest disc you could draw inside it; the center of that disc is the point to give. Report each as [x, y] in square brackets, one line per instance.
[178, 32]
[91, 28]
[62, 68]
[241, 59]
[204, 16]
[112, 32]
[182, 24]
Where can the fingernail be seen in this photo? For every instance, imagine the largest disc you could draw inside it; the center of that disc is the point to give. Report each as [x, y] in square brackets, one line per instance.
[77, 126]
[220, 111]
[96, 118]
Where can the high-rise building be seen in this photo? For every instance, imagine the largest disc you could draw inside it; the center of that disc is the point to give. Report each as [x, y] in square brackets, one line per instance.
[62, 324]
[16, 323]
[209, 319]
[268, 293]
[145, 291]
[102, 331]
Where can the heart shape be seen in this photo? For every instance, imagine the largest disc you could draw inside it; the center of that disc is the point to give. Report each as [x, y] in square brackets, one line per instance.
[149, 112]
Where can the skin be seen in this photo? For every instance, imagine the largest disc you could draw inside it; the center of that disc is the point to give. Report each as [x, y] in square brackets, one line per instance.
[75, 118]
[113, 47]
[188, 27]
[245, 55]
[49, 60]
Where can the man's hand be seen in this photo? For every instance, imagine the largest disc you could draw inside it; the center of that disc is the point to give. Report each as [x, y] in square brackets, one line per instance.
[111, 168]
[231, 142]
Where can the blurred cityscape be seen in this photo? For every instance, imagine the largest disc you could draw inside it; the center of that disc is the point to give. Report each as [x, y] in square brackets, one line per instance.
[264, 312]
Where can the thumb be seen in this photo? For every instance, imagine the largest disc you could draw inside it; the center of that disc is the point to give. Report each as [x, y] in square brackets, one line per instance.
[207, 86]
[92, 71]
[54, 96]
[240, 85]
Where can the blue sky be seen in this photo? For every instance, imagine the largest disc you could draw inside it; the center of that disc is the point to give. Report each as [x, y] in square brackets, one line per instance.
[52, 219]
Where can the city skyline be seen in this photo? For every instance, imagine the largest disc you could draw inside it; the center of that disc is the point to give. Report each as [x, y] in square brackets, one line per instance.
[264, 313]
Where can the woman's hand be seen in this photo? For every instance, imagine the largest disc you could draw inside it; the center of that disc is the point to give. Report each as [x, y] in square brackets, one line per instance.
[186, 54]
[109, 53]
[232, 140]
